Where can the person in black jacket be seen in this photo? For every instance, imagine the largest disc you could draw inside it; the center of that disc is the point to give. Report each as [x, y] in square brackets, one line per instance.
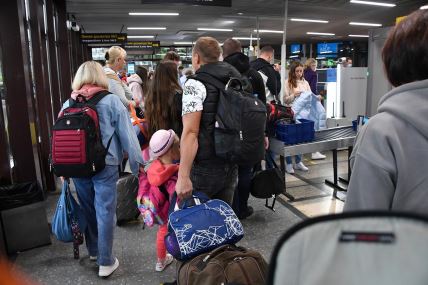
[262, 64]
[232, 54]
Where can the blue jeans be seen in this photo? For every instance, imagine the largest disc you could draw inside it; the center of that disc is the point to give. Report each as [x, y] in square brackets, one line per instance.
[97, 197]
[297, 157]
[217, 182]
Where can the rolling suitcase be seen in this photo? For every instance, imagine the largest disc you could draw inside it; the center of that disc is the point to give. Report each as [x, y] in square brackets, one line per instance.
[127, 190]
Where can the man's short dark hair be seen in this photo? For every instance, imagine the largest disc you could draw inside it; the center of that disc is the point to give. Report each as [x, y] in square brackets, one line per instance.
[405, 53]
[171, 55]
[208, 49]
[267, 49]
[231, 46]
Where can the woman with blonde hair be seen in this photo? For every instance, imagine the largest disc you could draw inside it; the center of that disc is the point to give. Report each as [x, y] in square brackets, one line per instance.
[115, 62]
[97, 194]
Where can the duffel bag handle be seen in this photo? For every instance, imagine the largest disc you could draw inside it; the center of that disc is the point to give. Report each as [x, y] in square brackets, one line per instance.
[197, 198]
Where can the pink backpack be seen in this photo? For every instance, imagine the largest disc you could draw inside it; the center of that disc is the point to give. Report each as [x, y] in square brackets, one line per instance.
[153, 202]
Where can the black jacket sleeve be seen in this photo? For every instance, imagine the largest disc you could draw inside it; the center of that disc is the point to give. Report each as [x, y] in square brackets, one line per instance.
[258, 84]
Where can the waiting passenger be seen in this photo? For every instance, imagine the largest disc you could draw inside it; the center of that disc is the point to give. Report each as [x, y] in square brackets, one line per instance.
[200, 168]
[97, 194]
[115, 62]
[390, 157]
[295, 86]
[138, 83]
[163, 102]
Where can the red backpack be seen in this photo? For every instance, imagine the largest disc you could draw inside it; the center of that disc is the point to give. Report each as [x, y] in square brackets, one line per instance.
[77, 149]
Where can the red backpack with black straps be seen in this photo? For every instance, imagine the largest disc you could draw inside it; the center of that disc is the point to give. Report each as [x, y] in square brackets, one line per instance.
[76, 147]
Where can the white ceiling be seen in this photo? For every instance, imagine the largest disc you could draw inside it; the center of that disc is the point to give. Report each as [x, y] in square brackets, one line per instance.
[108, 16]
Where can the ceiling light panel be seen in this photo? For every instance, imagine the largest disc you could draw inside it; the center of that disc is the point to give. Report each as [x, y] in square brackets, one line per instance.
[320, 34]
[141, 37]
[424, 7]
[270, 31]
[365, 24]
[382, 4]
[308, 20]
[358, 36]
[146, 28]
[152, 14]
[245, 38]
[215, 30]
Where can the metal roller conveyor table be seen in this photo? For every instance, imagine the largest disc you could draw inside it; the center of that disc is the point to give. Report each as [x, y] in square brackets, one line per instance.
[325, 140]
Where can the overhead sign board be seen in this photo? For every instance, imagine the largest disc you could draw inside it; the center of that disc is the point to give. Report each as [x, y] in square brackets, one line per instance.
[142, 44]
[225, 3]
[102, 38]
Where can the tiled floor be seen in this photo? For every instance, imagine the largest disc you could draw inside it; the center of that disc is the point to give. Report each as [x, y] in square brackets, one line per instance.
[135, 247]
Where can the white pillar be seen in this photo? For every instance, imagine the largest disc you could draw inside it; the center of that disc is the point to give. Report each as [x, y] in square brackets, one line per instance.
[283, 48]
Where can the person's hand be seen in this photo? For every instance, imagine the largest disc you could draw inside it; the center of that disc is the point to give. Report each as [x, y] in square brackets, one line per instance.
[297, 94]
[319, 97]
[266, 142]
[183, 187]
[141, 168]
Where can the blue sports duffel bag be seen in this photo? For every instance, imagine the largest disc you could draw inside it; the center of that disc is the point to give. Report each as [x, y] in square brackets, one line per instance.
[200, 225]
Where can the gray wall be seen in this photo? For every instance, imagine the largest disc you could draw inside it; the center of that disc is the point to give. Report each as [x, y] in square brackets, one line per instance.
[377, 84]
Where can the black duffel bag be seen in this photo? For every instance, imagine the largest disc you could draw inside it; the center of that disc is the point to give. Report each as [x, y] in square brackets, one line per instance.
[20, 194]
[269, 182]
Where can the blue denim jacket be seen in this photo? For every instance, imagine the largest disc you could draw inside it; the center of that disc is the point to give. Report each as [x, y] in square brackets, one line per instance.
[114, 121]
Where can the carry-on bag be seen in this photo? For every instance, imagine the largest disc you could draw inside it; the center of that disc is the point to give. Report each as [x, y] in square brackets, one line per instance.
[353, 248]
[69, 222]
[127, 189]
[201, 225]
[227, 264]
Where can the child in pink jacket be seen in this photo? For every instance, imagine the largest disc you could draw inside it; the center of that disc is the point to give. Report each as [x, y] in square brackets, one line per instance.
[157, 184]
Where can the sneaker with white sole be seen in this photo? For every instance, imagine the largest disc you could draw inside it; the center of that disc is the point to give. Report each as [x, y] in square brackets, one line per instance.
[289, 168]
[318, 155]
[301, 166]
[106, 271]
[162, 264]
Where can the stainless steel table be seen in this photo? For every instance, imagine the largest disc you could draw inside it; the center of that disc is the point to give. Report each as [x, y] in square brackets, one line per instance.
[329, 139]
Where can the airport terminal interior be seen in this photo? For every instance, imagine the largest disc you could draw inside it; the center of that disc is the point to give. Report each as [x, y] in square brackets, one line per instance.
[335, 75]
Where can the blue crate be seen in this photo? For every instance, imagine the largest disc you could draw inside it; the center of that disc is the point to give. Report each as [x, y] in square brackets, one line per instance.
[295, 133]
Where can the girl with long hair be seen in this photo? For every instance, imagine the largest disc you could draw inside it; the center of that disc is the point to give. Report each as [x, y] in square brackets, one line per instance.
[163, 101]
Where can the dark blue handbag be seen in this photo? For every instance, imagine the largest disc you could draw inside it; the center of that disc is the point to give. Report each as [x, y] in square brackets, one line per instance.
[200, 225]
[67, 211]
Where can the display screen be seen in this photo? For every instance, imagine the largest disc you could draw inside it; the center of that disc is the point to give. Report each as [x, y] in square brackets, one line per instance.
[327, 48]
[131, 68]
[295, 48]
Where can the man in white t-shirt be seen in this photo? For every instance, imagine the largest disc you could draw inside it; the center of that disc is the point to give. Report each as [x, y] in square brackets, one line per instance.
[200, 168]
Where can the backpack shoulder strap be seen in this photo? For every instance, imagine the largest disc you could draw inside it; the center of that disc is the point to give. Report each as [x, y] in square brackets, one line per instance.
[97, 97]
[208, 78]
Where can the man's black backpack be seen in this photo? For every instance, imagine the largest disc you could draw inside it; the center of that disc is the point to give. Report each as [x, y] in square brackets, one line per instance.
[77, 149]
[240, 122]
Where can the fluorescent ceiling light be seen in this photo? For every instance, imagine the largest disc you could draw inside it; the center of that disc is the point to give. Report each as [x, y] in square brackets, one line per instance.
[308, 20]
[321, 57]
[270, 31]
[245, 38]
[229, 22]
[358, 36]
[293, 56]
[141, 37]
[365, 24]
[146, 28]
[153, 14]
[327, 51]
[215, 30]
[296, 51]
[320, 34]
[424, 7]
[373, 3]
[183, 43]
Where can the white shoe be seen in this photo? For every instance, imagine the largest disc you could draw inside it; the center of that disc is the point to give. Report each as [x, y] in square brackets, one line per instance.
[108, 270]
[301, 166]
[318, 155]
[92, 258]
[161, 265]
[289, 169]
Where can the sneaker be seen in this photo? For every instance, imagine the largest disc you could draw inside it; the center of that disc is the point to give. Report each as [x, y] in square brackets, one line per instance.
[318, 155]
[246, 213]
[301, 166]
[161, 265]
[289, 169]
[106, 271]
[93, 258]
